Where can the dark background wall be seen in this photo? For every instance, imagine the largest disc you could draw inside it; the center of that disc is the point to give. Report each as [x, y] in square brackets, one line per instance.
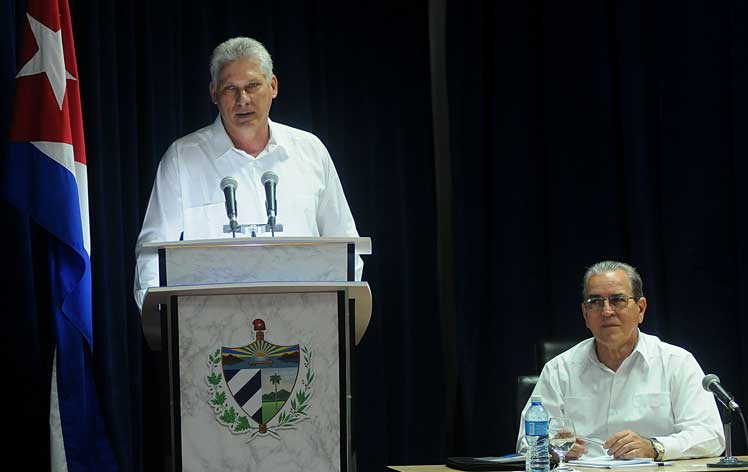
[589, 130]
[567, 133]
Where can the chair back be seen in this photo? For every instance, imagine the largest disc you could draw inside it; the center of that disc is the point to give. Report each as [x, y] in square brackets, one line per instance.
[544, 352]
[547, 350]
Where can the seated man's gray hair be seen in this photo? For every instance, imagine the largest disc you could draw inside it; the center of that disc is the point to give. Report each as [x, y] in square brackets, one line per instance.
[612, 266]
[239, 48]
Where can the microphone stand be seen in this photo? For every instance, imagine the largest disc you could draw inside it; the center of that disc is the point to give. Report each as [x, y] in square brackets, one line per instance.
[252, 229]
[729, 460]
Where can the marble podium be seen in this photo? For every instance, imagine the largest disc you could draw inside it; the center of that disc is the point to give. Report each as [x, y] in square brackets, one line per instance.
[256, 337]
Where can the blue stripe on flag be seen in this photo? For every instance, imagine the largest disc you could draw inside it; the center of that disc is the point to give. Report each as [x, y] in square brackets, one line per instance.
[46, 191]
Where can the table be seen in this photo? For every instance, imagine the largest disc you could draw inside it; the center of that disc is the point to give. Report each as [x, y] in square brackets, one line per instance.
[688, 465]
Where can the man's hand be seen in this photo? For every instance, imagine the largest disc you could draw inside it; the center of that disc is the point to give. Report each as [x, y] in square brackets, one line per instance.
[577, 450]
[628, 445]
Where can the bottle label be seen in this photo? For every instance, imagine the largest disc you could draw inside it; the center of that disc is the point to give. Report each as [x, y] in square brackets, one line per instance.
[536, 428]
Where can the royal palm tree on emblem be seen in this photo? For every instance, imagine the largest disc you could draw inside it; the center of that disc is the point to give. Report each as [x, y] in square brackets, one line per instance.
[275, 380]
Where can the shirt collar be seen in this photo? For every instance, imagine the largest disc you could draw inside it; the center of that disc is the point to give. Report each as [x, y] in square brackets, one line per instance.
[639, 350]
[642, 347]
[221, 142]
[591, 354]
[276, 138]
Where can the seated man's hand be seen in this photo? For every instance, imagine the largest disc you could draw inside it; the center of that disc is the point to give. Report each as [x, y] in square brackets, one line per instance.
[577, 450]
[628, 445]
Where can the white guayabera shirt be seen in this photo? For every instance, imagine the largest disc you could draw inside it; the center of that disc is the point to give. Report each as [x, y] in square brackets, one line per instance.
[187, 200]
[656, 392]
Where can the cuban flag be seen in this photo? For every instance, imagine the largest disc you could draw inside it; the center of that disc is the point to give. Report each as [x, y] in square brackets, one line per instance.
[45, 178]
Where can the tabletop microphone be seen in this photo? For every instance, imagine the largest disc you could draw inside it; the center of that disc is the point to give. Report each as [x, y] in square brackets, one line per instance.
[711, 384]
[270, 180]
[228, 185]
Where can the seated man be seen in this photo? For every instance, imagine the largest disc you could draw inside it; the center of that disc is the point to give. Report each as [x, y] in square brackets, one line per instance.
[640, 396]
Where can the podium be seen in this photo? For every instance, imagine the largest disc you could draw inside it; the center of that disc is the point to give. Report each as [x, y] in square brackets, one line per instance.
[255, 338]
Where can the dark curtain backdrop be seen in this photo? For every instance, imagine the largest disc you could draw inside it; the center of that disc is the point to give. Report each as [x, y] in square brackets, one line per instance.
[584, 131]
[355, 75]
[144, 70]
[577, 132]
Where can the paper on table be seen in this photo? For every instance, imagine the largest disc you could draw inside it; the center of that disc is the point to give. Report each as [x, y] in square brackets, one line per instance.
[609, 462]
[504, 459]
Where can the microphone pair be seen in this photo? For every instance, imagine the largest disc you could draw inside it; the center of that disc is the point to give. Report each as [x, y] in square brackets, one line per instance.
[229, 184]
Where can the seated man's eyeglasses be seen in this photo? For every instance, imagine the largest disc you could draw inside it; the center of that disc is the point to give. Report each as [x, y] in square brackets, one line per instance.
[618, 302]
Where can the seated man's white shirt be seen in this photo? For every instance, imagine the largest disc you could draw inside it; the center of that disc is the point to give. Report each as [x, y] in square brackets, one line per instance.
[656, 392]
[187, 200]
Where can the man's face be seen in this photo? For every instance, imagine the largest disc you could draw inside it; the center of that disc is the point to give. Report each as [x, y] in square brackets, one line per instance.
[613, 327]
[244, 95]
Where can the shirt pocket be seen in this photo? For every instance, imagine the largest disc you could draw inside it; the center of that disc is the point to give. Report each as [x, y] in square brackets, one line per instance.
[205, 221]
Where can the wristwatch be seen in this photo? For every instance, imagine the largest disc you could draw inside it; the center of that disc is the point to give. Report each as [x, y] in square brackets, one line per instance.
[659, 449]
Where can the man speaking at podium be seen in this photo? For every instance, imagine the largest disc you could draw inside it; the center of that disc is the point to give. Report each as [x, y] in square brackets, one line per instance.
[639, 396]
[187, 201]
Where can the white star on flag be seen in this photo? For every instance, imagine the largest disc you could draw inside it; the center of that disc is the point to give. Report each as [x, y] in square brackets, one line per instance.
[49, 59]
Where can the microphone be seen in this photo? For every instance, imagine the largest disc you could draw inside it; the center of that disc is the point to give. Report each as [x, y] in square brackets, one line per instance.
[711, 384]
[269, 180]
[228, 185]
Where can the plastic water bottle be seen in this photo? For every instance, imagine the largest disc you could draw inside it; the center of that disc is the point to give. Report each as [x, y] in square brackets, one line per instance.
[536, 433]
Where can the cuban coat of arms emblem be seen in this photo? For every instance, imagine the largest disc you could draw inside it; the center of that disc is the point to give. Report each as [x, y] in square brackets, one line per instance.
[257, 389]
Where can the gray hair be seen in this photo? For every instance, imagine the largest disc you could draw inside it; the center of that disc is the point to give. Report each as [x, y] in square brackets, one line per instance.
[238, 48]
[612, 266]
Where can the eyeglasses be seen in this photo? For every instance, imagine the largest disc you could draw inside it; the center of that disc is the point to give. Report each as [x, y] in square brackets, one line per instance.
[617, 302]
